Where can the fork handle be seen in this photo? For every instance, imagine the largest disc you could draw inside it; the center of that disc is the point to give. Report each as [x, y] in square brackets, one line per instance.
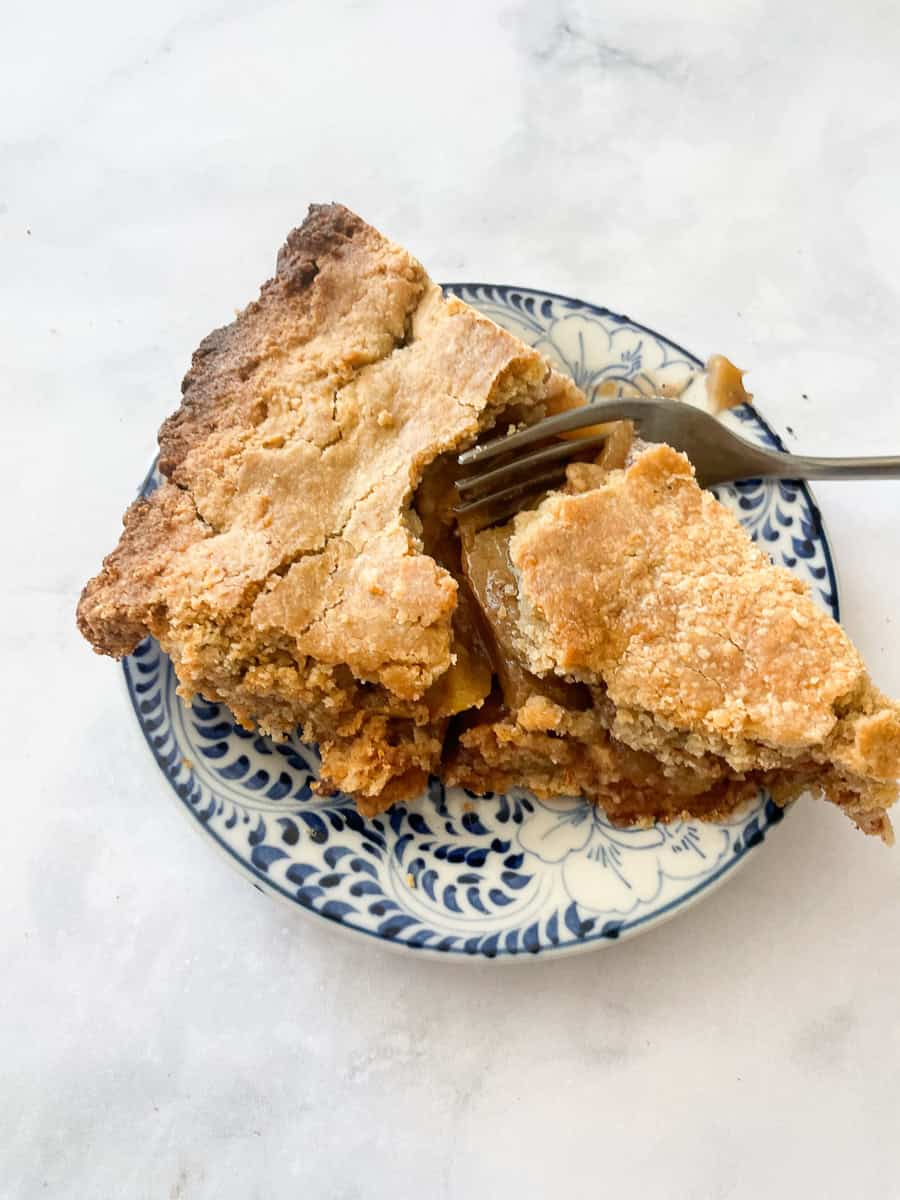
[806, 466]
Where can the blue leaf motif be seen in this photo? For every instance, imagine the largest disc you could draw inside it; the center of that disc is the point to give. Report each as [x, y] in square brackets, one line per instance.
[290, 834]
[531, 939]
[280, 788]
[361, 864]
[263, 856]
[334, 854]
[299, 872]
[803, 547]
[237, 769]
[473, 824]
[489, 945]
[395, 925]
[572, 919]
[219, 750]
[421, 937]
[365, 887]
[215, 732]
[401, 844]
[318, 830]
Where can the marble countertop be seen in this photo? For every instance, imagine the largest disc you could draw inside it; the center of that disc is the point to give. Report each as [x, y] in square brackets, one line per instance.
[727, 173]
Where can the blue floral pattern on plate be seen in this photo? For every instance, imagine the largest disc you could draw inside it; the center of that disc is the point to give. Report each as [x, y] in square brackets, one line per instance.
[453, 873]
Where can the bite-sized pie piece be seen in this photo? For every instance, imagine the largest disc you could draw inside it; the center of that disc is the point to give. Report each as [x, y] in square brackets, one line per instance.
[724, 385]
[622, 638]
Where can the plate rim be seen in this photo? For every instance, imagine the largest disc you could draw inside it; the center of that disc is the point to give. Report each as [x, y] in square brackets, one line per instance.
[265, 884]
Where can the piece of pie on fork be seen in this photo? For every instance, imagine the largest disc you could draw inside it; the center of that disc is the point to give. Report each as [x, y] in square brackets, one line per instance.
[622, 638]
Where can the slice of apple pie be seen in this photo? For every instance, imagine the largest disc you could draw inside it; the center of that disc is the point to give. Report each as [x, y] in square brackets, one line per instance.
[301, 562]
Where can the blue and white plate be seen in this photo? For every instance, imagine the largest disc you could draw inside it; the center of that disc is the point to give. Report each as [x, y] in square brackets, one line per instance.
[451, 873]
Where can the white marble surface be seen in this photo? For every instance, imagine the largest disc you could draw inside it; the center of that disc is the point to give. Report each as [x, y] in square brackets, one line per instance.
[727, 172]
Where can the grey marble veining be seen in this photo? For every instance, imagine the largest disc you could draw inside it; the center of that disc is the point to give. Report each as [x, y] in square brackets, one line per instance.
[728, 173]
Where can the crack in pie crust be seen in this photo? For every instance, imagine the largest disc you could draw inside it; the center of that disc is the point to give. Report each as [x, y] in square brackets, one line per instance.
[300, 562]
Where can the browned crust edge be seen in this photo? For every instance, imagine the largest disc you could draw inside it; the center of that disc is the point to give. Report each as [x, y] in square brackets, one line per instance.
[228, 356]
[221, 363]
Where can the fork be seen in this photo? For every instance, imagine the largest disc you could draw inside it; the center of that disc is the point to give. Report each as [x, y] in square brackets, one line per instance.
[718, 455]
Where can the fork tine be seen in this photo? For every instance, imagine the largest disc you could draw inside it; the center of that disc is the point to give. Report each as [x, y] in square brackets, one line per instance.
[511, 496]
[565, 422]
[529, 462]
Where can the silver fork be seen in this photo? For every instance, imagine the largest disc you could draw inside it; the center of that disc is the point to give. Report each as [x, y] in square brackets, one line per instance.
[718, 455]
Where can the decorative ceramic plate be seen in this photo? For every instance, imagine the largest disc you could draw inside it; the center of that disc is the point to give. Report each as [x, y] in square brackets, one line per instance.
[500, 875]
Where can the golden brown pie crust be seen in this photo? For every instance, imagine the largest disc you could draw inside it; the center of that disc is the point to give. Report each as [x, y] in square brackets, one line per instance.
[623, 639]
